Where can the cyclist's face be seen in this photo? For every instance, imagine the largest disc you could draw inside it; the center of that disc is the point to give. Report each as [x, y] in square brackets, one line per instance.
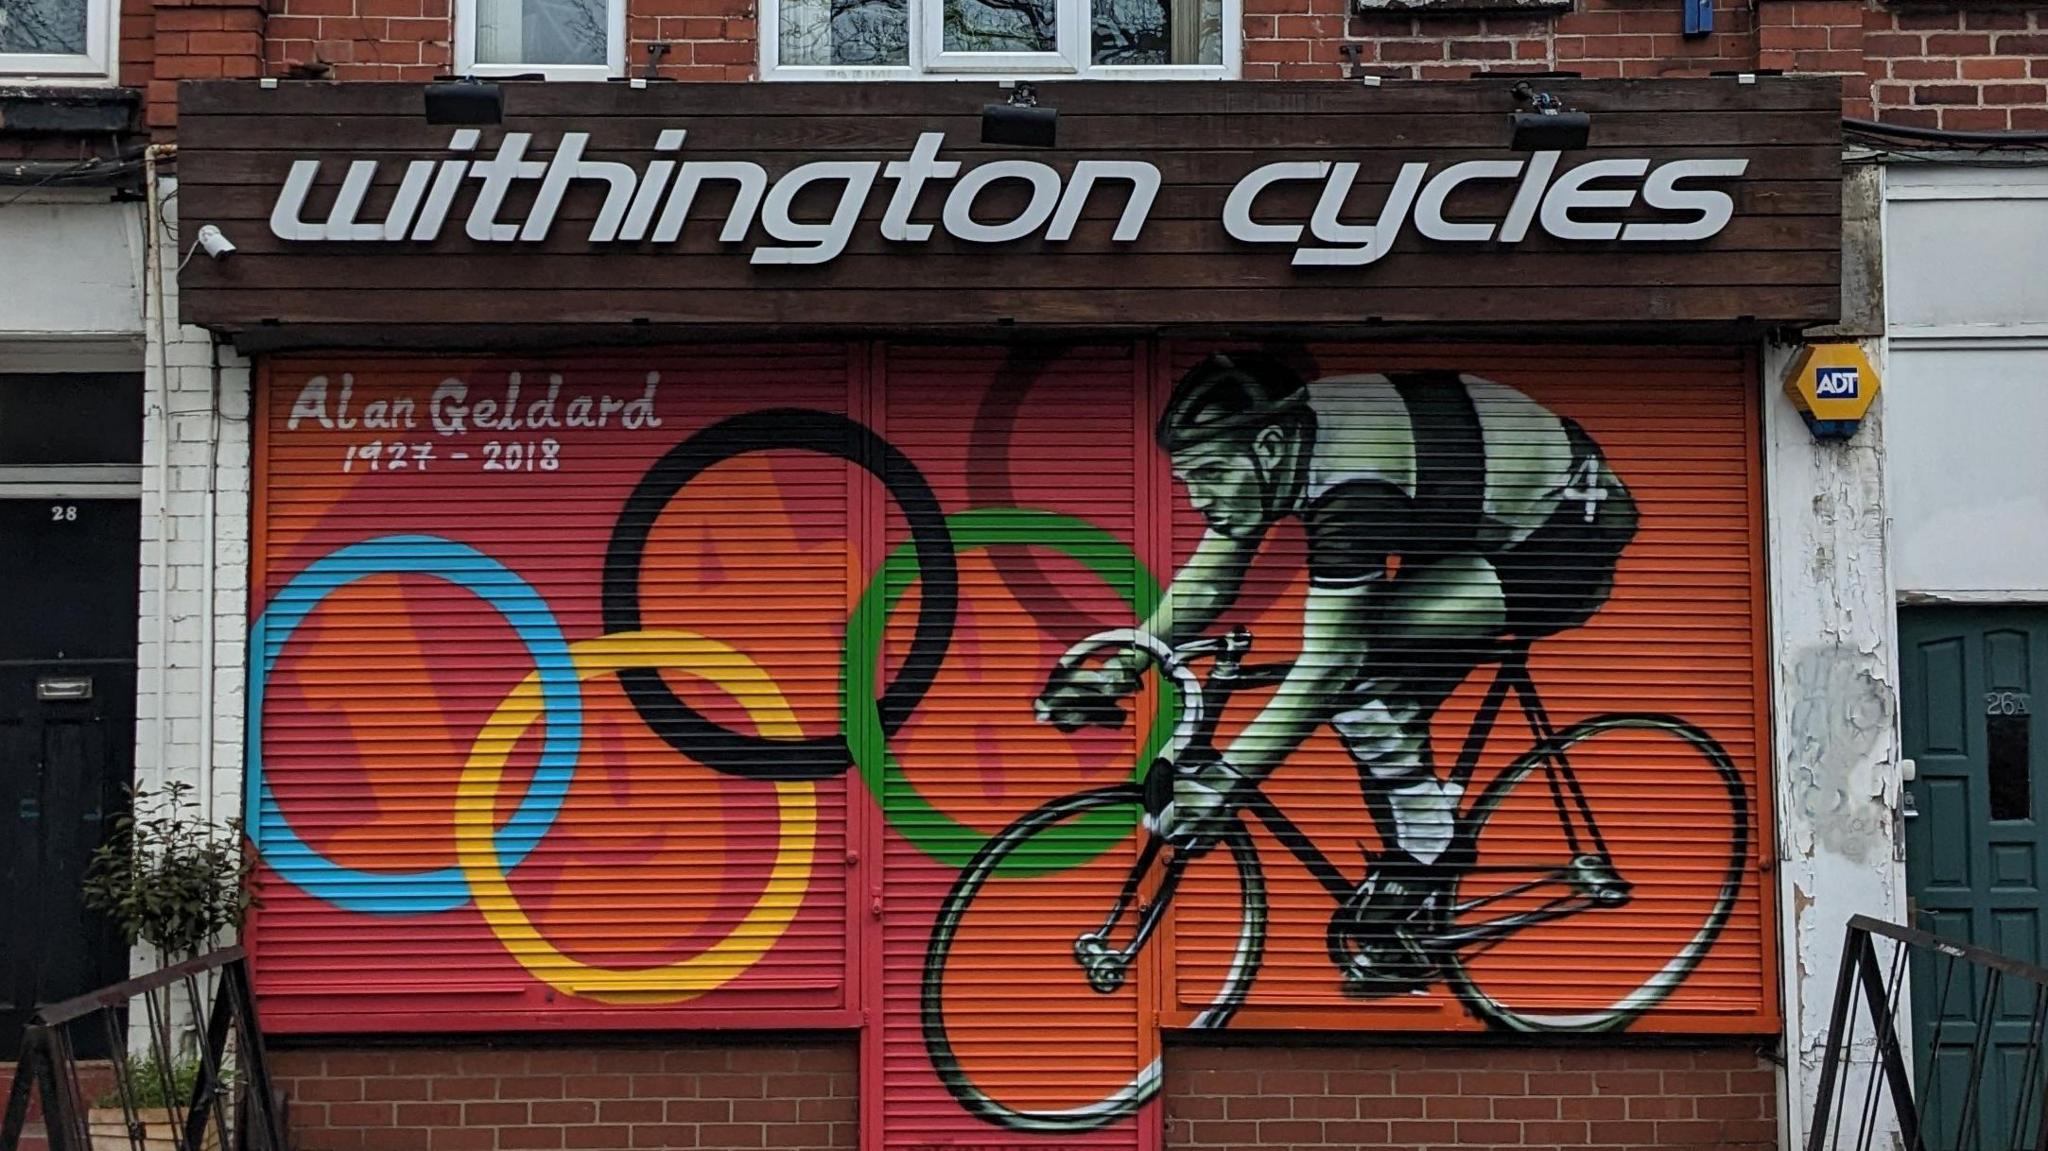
[1223, 484]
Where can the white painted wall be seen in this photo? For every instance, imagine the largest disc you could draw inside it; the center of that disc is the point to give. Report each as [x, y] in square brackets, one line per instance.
[195, 550]
[73, 265]
[1834, 705]
[1966, 276]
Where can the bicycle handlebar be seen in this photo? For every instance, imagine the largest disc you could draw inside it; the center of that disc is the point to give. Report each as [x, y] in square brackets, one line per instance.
[1173, 660]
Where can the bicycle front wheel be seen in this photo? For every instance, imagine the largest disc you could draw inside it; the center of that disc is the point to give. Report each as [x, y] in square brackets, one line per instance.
[1019, 1027]
[1583, 923]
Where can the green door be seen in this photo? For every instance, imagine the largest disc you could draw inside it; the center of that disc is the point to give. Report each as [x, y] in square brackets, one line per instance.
[1976, 843]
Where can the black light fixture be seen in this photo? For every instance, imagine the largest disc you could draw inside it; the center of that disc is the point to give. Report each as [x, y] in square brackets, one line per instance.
[1020, 122]
[1546, 125]
[465, 101]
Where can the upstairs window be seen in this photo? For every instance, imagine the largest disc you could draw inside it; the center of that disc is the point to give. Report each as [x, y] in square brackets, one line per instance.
[909, 39]
[60, 40]
[559, 39]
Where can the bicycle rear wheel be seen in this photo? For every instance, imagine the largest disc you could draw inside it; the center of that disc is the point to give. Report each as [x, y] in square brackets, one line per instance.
[1012, 1023]
[1555, 928]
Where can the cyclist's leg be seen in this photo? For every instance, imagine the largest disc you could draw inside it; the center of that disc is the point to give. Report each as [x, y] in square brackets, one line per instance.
[1439, 620]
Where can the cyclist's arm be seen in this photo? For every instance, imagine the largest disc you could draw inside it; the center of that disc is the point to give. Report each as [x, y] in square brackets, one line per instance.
[1334, 621]
[1203, 590]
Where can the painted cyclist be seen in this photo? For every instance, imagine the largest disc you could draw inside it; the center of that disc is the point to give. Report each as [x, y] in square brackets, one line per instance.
[1443, 515]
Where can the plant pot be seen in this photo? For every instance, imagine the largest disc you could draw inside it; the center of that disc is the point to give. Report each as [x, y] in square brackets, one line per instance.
[108, 1127]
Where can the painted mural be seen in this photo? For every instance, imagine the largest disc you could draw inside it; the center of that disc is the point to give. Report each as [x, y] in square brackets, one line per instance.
[1034, 704]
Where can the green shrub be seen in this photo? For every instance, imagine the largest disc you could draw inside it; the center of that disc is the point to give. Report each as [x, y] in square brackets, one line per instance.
[168, 878]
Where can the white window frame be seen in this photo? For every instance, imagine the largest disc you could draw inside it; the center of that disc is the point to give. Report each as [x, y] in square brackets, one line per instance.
[96, 65]
[929, 61]
[615, 50]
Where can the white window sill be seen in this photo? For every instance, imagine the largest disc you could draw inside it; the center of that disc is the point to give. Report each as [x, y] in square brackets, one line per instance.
[554, 73]
[804, 72]
[19, 71]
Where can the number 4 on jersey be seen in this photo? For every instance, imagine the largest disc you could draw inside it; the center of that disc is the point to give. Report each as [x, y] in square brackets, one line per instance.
[1584, 485]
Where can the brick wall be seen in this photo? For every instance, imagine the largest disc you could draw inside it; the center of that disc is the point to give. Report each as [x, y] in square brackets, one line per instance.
[95, 1078]
[1416, 1098]
[799, 1096]
[1970, 70]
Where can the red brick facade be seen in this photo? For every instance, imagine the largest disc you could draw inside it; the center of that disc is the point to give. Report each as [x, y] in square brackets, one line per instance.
[799, 1095]
[803, 1095]
[1414, 1098]
[1970, 67]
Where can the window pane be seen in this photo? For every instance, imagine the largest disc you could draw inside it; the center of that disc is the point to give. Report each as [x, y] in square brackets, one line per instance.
[1158, 31]
[2011, 780]
[871, 32]
[56, 26]
[71, 418]
[1001, 26]
[541, 32]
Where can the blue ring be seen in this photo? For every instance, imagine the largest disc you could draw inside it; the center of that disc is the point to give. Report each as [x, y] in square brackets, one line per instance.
[417, 893]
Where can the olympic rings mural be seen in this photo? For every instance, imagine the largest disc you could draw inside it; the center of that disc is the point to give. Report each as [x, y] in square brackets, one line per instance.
[580, 739]
[775, 751]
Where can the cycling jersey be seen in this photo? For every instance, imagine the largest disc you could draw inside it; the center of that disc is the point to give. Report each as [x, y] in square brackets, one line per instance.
[1409, 467]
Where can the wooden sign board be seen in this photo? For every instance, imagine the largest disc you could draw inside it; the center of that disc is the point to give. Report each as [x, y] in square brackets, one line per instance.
[599, 211]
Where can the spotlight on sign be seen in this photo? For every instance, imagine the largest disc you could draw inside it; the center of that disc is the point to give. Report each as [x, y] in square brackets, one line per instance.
[1544, 124]
[1020, 122]
[465, 101]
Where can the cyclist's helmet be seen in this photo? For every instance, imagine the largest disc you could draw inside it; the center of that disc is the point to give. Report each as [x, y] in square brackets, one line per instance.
[1229, 395]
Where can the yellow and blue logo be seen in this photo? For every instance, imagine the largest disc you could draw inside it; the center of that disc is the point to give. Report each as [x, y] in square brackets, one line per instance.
[1833, 386]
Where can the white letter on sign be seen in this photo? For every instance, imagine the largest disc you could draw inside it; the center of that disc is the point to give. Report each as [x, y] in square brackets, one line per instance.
[1570, 192]
[910, 175]
[1144, 180]
[1429, 210]
[285, 223]
[568, 165]
[825, 240]
[1661, 191]
[1371, 240]
[1045, 193]
[1237, 210]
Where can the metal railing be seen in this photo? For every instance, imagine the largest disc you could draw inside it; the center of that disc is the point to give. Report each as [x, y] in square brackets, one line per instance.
[176, 1086]
[1978, 1023]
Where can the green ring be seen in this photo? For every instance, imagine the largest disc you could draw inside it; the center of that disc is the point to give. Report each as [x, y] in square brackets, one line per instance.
[932, 831]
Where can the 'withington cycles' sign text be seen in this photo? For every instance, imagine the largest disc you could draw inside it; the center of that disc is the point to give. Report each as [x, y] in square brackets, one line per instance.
[652, 202]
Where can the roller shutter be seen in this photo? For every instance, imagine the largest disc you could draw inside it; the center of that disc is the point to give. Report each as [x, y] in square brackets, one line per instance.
[1655, 698]
[831, 798]
[457, 559]
[1038, 451]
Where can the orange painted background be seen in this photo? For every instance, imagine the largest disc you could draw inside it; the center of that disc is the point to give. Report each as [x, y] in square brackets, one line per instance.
[470, 822]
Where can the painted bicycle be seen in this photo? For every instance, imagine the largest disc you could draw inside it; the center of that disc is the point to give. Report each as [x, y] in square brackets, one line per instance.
[1491, 902]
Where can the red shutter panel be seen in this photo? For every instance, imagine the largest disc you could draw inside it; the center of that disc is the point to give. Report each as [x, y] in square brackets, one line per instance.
[1616, 886]
[430, 538]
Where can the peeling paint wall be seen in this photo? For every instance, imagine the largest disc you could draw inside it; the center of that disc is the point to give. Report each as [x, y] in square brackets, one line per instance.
[1835, 692]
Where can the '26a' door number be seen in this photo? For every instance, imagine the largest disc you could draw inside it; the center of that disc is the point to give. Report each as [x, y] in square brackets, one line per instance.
[2007, 703]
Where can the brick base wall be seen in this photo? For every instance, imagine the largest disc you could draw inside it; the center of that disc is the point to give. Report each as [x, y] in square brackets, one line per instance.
[1275, 1097]
[501, 1097]
[802, 1096]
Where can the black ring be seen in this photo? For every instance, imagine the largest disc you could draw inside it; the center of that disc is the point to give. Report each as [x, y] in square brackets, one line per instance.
[789, 429]
[989, 486]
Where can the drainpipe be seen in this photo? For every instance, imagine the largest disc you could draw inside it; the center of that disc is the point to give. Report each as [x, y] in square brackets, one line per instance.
[206, 621]
[153, 320]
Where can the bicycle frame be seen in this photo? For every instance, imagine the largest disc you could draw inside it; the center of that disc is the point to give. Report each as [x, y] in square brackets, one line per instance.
[1589, 876]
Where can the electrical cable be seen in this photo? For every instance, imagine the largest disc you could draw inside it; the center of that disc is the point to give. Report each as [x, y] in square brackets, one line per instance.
[1941, 135]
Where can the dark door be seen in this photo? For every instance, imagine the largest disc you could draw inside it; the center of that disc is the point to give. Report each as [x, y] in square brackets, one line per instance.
[1976, 843]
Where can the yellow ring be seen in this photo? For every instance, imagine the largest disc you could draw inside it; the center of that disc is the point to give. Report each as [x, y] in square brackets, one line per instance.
[476, 799]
